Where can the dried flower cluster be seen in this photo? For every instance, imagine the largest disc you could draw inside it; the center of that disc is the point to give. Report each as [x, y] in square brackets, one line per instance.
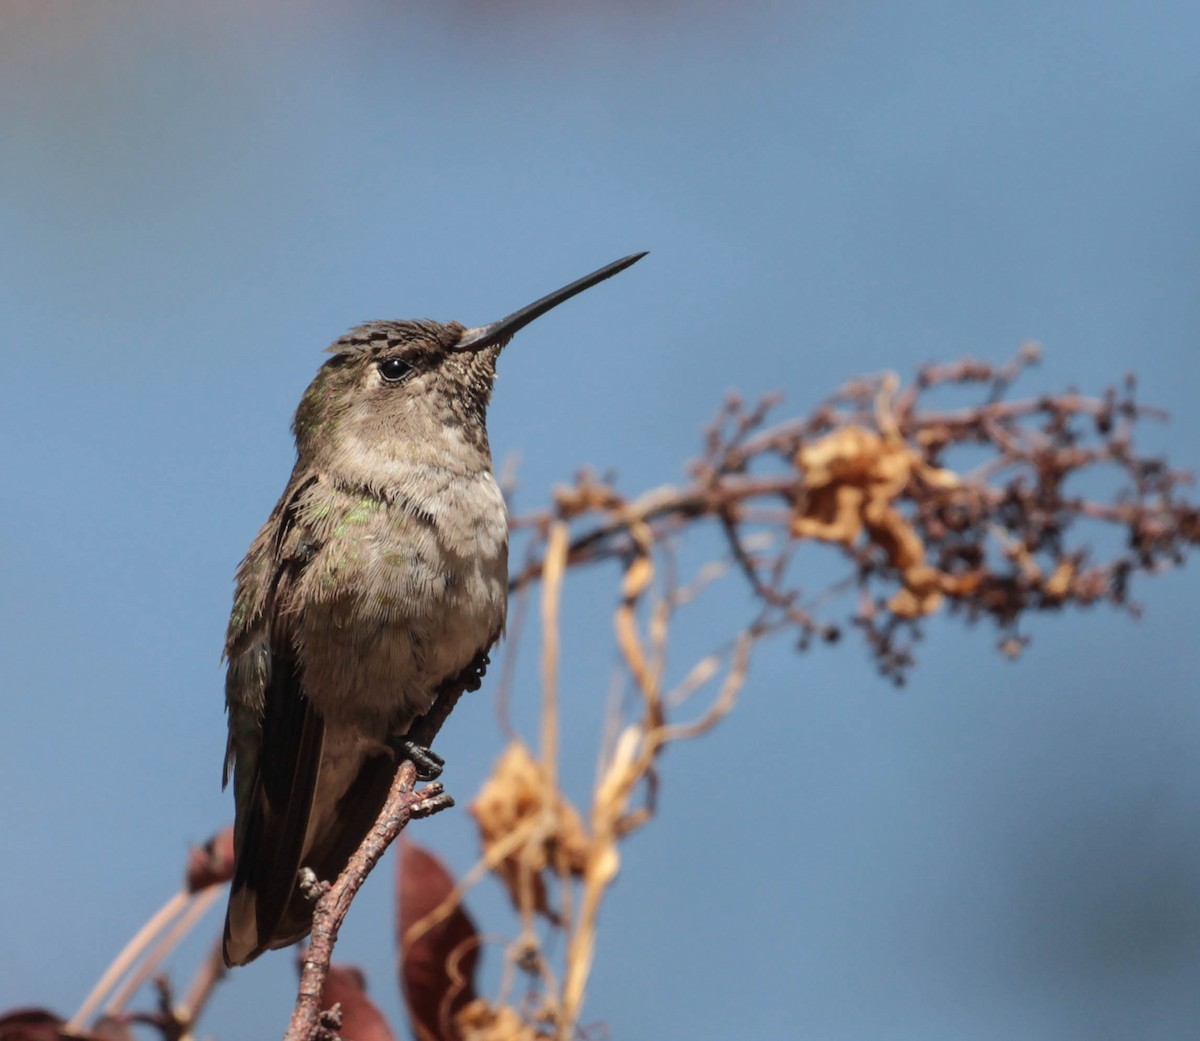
[868, 473]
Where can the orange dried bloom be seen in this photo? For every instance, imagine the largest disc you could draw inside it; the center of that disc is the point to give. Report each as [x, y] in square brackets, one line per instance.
[853, 478]
[518, 800]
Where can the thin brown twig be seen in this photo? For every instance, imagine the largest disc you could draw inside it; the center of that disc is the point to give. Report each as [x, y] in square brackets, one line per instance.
[332, 905]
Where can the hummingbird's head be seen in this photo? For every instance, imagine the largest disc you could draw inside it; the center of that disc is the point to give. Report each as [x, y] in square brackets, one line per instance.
[402, 387]
[396, 380]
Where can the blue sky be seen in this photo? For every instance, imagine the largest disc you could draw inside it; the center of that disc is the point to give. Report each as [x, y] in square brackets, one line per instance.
[196, 199]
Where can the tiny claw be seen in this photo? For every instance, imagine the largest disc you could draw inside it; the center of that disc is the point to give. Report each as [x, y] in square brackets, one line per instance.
[472, 676]
[435, 800]
[480, 666]
[311, 887]
[428, 763]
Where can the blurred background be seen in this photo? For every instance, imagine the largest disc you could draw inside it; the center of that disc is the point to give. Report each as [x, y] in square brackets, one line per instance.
[196, 199]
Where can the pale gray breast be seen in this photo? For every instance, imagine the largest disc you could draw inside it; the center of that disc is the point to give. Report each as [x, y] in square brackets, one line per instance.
[400, 602]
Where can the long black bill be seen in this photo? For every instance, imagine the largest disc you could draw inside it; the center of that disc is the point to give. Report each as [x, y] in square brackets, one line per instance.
[498, 332]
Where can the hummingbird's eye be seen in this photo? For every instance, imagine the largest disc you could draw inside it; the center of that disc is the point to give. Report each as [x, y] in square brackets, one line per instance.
[393, 370]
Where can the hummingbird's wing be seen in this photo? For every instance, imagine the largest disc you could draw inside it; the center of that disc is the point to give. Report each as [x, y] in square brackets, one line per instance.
[275, 737]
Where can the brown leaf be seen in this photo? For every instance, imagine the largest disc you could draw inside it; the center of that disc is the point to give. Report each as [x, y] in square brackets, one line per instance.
[361, 1019]
[437, 964]
[39, 1024]
[212, 863]
[30, 1024]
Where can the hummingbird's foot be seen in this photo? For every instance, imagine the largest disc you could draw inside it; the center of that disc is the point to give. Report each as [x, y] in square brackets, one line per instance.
[428, 763]
[311, 887]
[433, 800]
[473, 679]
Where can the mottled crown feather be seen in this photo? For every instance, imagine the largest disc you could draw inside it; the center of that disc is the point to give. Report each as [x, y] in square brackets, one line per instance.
[372, 336]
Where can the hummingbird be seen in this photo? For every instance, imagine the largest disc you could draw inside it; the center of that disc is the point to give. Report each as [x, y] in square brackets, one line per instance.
[381, 573]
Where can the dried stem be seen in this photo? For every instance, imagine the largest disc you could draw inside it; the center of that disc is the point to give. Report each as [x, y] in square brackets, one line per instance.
[121, 964]
[162, 949]
[555, 565]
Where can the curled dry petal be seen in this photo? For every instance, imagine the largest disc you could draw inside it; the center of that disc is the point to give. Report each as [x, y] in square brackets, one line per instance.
[346, 985]
[480, 1021]
[588, 494]
[853, 478]
[212, 863]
